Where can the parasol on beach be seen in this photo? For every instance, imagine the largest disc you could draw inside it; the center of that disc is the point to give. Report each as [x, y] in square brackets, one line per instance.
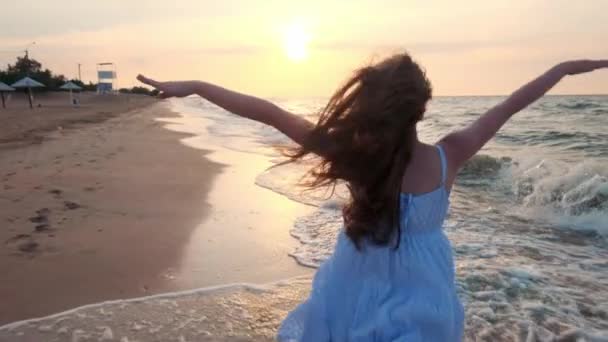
[28, 83]
[3, 89]
[71, 86]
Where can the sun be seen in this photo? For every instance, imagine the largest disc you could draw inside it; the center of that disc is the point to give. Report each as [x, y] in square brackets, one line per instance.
[295, 42]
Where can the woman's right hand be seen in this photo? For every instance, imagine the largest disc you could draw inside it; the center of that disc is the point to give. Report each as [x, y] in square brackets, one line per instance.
[581, 66]
[169, 89]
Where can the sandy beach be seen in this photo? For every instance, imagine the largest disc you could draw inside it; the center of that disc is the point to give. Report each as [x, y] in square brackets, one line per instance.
[97, 202]
[102, 202]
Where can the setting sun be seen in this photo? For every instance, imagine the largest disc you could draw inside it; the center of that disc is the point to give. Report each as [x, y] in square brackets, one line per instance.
[295, 41]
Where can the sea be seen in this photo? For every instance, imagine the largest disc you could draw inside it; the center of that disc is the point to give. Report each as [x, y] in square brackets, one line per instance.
[528, 221]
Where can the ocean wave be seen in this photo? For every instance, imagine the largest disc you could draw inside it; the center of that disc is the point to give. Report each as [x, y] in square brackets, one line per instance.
[575, 196]
[600, 111]
[579, 105]
[581, 140]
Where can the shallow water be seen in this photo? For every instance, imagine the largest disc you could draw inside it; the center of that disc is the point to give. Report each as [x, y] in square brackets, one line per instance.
[528, 218]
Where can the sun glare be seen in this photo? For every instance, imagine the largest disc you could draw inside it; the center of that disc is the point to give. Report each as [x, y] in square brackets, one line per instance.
[295, 42]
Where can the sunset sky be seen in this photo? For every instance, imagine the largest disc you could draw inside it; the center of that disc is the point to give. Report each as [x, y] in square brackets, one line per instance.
[306, 48]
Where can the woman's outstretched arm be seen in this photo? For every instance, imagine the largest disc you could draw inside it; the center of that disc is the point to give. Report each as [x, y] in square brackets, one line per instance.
[461, 145]
[295, 127]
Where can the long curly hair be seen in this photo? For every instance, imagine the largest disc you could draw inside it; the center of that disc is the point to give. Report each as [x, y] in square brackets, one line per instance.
[365, 137]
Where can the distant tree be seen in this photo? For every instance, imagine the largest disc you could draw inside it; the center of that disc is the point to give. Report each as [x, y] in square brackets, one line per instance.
[30, 67]
[24, 65]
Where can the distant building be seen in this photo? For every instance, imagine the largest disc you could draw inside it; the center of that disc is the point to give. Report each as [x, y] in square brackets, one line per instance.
[106, 78]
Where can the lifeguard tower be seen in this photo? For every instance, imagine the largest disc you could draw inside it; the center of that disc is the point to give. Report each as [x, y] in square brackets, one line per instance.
[106, 78]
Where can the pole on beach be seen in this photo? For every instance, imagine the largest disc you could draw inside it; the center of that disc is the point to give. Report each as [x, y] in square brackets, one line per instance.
[3, 103]
[29, 97]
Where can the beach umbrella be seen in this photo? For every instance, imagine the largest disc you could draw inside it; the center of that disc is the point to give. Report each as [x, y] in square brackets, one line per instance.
[3, 89]
[71, 86]
[28, 83]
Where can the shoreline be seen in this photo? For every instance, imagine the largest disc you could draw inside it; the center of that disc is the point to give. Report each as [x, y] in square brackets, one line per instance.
[209, 290]
[246, 235]
[156, 210]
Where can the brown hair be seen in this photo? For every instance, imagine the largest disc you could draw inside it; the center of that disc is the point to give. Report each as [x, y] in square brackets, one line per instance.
[365, 136]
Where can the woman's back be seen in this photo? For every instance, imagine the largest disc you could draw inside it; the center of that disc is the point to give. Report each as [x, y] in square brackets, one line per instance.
[424, 172]
[385, 293]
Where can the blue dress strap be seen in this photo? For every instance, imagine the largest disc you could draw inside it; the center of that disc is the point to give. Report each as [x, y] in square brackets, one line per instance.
[443, 163]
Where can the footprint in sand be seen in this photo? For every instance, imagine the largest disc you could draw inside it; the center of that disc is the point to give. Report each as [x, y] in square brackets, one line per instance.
[42, 227]
[71, 205]
[56, 192]
[17, 238]
[41, 219]
[29, 246]
[24, 242]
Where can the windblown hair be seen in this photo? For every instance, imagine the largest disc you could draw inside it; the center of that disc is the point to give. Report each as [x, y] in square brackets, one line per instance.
[364, 137]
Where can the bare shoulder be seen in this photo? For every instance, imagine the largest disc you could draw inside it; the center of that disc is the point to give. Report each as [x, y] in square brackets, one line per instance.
[424, 171]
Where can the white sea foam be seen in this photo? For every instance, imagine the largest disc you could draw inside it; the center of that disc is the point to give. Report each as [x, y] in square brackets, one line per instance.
[570, 196]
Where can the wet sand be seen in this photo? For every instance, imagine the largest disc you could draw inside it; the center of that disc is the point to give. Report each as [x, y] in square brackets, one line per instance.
[245, 236]
[96, 202]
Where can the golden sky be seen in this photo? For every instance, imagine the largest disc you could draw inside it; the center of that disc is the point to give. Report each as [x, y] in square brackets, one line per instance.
[468, 47]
